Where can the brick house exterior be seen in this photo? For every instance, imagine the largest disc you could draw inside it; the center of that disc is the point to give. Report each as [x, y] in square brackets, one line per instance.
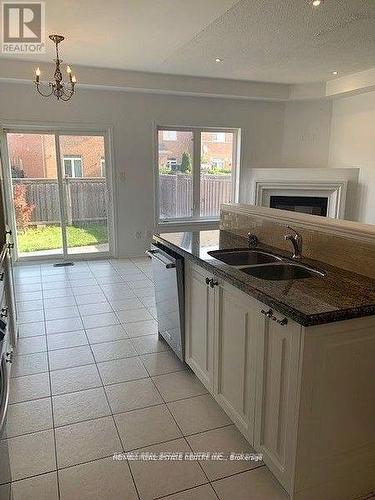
[217, 148]
[33, 155]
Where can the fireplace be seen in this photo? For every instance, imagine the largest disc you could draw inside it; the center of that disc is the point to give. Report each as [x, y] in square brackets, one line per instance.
[324, 198]
[313, 205]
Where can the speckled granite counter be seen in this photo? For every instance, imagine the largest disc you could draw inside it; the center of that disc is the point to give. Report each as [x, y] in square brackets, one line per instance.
[340, 295]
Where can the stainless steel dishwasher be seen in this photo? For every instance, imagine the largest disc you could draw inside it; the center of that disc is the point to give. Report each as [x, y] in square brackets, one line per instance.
[168, 272]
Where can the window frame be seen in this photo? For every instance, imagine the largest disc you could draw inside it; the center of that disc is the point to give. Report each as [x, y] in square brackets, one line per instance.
[196, 218]
[72, 159]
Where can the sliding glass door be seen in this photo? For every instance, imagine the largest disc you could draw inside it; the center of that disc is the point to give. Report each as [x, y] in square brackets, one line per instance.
[59, 193]
[35, 194]
[85, 192]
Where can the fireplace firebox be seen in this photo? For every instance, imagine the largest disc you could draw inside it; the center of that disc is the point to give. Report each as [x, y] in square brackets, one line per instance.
[314, 205]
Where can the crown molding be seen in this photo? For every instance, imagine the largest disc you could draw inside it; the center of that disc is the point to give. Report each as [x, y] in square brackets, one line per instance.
[94, 78]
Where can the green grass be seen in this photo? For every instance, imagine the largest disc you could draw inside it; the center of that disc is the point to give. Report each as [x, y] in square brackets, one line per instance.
[49, 237]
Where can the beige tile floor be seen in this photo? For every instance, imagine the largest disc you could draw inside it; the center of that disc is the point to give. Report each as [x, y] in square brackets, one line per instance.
[91, 378]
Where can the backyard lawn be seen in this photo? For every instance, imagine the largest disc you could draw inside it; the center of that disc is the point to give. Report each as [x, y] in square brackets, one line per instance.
[49, 237]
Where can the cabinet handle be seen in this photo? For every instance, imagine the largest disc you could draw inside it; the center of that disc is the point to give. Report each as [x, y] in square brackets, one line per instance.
[282, 322]
[2, 276]
[268, 313]
[4, 312]
[214, 283]
[208, 281]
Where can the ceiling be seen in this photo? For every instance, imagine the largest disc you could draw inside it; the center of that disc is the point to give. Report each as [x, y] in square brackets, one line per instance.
[284, 41]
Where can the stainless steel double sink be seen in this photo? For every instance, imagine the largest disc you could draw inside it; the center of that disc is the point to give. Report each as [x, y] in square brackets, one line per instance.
[265, 265]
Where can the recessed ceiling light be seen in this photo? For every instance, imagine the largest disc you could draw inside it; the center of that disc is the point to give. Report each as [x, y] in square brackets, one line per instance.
[316, 3]
[218, 60]
[335, 73]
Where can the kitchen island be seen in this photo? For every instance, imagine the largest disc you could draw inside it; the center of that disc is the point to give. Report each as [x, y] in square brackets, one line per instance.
[291, 362]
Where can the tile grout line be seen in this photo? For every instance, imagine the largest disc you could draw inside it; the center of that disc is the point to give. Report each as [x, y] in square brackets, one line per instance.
[112, 416]
[52, 408]
[54, 430]
[165, 403]
[179, 428]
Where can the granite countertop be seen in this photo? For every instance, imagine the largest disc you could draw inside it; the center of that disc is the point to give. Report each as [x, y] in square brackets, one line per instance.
[340, 295]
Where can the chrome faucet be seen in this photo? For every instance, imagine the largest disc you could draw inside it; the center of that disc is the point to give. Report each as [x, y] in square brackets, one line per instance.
[296, 240]
[252, 240]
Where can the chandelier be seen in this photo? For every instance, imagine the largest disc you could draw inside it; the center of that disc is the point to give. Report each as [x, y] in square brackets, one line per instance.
[62, 91]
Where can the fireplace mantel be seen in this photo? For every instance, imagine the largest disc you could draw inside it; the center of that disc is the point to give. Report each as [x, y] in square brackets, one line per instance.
[339, 185]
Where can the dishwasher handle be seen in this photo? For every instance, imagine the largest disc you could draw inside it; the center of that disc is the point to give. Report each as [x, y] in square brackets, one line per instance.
[154, 255]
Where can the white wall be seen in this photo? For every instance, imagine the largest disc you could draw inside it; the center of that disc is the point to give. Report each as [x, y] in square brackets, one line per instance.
[353, 144]
[307, 133]
[132, 116]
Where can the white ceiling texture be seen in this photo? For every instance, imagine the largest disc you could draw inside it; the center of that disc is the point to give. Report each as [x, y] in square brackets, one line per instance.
[285, 41]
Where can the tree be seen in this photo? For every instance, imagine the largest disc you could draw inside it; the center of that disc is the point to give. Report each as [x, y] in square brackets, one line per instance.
[22, 209]
[185, 166]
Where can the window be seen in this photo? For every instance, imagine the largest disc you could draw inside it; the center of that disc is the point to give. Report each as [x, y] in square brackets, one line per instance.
[218, 163]
[218, 137]
[172, 163]
[170, 135]
[73, 166]
[194, 182]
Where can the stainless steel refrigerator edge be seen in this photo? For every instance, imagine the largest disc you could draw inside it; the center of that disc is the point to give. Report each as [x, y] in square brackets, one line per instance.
[168, 272]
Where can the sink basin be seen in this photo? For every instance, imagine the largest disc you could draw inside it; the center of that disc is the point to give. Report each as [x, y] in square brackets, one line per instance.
[280, 272]
[243, 257]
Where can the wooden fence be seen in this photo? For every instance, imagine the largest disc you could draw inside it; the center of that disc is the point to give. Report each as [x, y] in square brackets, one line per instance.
[176, 194]
[86, 199]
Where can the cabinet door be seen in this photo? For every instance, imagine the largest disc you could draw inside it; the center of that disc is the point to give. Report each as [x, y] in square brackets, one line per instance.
[235, 356]
[200, 324]
[277, 393]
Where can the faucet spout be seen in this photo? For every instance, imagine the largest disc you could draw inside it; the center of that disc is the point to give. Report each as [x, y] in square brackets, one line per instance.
[296, 240]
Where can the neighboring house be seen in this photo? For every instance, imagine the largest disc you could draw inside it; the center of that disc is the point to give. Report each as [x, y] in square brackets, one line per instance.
[33, 156]
[217, 148]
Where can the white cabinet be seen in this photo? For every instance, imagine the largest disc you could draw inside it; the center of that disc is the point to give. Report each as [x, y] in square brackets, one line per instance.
[200, 323]
[246, 360]
[277, 393]
[235, 356]
[300, 395]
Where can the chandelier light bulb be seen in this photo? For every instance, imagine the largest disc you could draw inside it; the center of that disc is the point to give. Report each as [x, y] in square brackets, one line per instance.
[316, 3]
[74, 79]
[68, 70]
